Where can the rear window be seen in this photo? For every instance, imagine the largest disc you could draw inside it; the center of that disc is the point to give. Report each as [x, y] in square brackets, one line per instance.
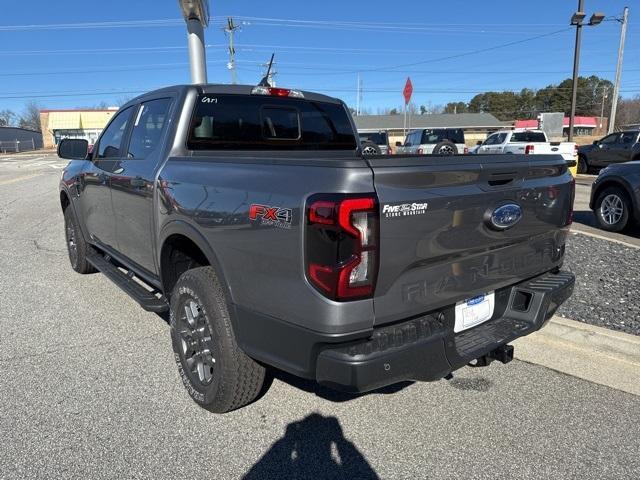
[528, 137]
[244, 122]
[434, 136]
[379, 138]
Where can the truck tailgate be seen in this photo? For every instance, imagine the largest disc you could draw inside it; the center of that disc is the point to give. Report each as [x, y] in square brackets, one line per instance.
[438, 244]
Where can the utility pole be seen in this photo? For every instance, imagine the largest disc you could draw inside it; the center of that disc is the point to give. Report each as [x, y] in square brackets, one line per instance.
[230, 30]
[358, 95]
[616, 87]
[605, 94]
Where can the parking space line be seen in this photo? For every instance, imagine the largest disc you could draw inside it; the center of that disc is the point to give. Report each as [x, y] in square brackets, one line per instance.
[19, 179]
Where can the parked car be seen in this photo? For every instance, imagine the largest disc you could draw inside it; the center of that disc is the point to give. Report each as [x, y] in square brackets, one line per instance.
[615, 196]
[617, 147]
[436, 141]
[252, 217]
[374, 143]
[529, 142]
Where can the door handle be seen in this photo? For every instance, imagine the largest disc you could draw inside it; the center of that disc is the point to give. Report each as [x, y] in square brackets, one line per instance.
[78, 185]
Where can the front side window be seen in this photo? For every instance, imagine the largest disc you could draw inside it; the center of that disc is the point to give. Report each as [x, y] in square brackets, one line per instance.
[609, 139]
[495, 139]
[148, 128]
[111, 139]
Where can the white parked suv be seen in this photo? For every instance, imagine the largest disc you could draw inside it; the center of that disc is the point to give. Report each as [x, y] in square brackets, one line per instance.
[436, 141]
[533, 142]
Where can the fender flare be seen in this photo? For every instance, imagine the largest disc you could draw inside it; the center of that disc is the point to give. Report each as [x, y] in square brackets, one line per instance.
[181, 227]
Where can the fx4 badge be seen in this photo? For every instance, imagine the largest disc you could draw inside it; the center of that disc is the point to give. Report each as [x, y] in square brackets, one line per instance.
[404, 209]
[271, 216]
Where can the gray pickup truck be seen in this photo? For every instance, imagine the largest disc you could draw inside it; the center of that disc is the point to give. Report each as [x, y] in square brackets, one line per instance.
[252, 217]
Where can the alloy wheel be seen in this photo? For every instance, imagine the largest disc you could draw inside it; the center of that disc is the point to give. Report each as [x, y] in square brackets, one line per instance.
[612, 209]
[196, 342]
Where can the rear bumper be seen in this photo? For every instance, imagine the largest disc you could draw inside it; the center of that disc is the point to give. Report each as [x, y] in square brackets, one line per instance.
[426, 349]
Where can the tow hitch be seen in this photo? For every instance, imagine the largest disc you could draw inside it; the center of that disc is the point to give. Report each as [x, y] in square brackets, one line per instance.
[504, 354]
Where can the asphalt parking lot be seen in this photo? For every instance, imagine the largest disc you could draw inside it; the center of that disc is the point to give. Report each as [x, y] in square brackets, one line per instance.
[89, 388]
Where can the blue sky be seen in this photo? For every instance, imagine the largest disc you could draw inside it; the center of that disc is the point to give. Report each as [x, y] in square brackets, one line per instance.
[63, 67]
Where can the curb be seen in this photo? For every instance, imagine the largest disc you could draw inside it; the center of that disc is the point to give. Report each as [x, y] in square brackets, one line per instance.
[585, 351]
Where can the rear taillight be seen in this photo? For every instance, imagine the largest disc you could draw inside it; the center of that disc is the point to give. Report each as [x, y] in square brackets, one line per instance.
[342, 240]
[529, 149]
[466, 150]
[277, 92]
[575, 150]
[420, 151]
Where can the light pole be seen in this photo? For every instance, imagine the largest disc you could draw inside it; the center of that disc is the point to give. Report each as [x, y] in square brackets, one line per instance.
[196, 15]
[576, 20]
[616, 88]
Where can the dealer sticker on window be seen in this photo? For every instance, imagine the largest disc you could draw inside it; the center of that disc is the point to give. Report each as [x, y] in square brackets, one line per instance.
[474, 311]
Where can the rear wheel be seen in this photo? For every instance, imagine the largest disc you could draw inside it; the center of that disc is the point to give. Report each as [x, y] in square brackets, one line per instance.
[445, 148]
[612, 209]
[77, 248]
[217, 374]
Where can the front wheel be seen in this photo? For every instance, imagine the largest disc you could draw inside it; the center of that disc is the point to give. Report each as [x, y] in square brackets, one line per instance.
[77, 248]
[216, 373]
[583, 167]
[612, 209]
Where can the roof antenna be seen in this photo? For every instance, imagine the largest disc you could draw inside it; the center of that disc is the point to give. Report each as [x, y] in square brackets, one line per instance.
[266, 80]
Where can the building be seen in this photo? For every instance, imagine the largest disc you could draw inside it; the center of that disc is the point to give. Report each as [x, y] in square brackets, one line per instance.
[476, 126]
[582, 126]
[14, 139]
[87, 124]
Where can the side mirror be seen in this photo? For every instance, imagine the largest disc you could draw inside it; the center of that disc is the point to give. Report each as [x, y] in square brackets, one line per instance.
[398, 144]
[479, 142]
[73, 149]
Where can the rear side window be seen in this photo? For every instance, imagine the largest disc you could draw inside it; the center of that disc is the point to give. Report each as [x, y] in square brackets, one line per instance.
[245, 122]
[528, 137]
[148, 127]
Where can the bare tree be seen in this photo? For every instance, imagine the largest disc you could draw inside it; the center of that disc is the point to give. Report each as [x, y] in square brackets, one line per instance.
[628, 112]
[7, 118]
[30, 117]
[122, 100]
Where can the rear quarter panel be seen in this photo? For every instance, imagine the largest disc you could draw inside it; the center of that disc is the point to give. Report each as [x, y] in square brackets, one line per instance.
[263, 264]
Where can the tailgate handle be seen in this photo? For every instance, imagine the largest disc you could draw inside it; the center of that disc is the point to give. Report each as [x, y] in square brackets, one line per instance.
[501, 179]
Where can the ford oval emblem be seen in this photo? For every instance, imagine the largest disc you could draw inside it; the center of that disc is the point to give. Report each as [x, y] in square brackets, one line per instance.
[505, 216]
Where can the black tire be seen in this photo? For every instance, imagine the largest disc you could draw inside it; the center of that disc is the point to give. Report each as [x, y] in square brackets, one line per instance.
[77, 247]
[445, 148]
[583, 166]
[614, 216]
[217, 374]
[370, 148]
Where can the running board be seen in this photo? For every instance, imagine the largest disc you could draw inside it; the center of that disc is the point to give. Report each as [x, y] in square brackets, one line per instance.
[147, 300]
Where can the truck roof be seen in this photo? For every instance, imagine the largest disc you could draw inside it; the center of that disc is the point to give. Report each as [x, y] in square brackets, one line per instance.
[220, 88]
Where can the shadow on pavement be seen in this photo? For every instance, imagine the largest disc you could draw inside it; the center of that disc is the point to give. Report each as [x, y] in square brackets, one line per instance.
[326, 393]
[312, 448]
[587, 217]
